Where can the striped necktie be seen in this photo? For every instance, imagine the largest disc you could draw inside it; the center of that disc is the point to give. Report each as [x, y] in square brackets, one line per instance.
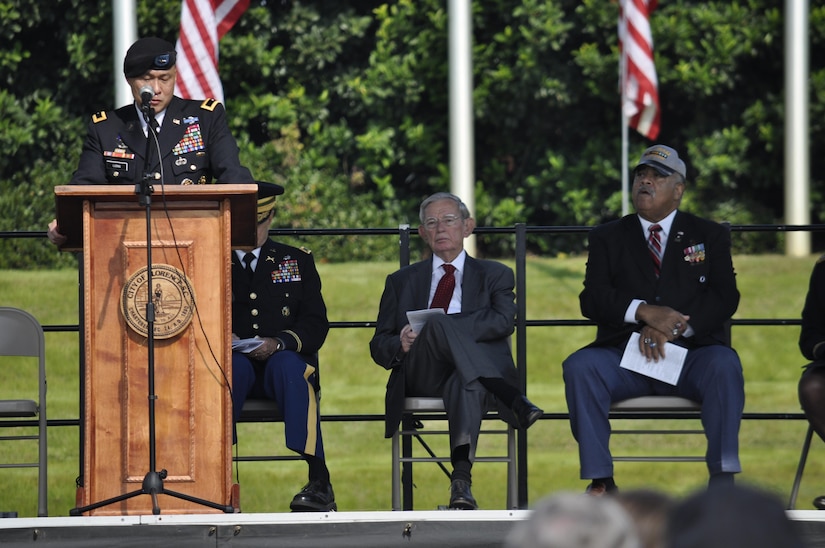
[654, 245]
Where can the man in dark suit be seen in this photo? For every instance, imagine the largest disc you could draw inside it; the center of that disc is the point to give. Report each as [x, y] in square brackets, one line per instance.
[193, 144]
[462, 356]
[276, 299]
[667, 275]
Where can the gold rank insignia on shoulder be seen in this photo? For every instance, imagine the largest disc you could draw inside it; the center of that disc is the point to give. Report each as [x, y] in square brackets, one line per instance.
[209, 104]
[305, 250]
[98, 116]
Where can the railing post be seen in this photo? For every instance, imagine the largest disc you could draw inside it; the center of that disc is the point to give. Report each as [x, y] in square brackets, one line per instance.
[404, 245]
[406, 421]
[521, 354]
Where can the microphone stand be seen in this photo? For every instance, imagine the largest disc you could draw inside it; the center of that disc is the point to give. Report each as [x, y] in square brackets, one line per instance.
[153, 481]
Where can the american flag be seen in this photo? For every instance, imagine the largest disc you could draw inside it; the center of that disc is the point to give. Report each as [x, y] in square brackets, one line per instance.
[639, 86]
[202, 24]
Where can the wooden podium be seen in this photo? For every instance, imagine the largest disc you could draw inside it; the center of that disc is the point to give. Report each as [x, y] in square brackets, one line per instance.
[193, 230]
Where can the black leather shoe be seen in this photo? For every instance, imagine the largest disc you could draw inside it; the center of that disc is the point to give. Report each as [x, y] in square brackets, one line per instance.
[526, 412]
[819, 502]
[460, 496]
[599, 489]
[316, 496]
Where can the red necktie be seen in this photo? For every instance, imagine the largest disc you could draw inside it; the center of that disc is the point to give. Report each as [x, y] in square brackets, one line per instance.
[654, 244]
[444, 291]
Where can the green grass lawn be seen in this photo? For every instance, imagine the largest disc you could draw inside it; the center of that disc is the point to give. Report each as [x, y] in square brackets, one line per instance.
[359, 456]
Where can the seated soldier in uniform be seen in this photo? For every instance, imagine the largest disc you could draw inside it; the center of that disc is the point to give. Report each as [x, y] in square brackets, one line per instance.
[276, 298]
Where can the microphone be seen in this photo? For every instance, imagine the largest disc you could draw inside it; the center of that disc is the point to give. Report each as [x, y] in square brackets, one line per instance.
[146, 94]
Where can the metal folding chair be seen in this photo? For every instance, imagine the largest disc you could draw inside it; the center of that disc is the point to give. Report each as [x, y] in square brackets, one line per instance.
[657, 407]
[22, 335]
[417, 409]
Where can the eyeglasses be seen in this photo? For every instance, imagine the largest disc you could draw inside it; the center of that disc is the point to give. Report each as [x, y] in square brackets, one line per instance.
[448, 221]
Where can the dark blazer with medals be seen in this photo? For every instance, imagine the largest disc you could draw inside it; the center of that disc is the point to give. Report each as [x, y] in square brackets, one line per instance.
[697, 278]
[282, 300]
[487, 315]
[195, 143]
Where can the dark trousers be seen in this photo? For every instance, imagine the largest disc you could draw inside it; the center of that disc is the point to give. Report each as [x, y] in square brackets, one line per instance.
[712, 375]
[286, 378]
[446, 362]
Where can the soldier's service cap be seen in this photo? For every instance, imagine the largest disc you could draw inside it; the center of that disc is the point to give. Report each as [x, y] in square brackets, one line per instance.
[147, 54]
[266, 198]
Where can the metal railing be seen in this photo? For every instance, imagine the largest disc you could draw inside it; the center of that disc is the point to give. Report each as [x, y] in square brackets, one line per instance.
[520, 232]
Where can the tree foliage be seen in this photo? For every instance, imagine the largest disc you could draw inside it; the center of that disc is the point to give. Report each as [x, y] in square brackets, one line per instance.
[346, 103]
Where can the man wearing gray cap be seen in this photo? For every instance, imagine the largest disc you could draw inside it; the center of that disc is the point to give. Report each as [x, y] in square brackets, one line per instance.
[666, 276]
[193, 145]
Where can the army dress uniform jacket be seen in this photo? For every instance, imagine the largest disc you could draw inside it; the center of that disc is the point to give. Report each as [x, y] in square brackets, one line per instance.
[697, 278]
[283, 300]
[196, 147]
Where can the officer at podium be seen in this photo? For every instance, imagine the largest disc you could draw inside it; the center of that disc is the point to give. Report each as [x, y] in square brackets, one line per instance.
[191, 137]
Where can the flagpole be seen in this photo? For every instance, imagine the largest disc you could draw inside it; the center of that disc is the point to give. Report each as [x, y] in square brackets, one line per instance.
[623, 116]
[625, 168]
[124, 33]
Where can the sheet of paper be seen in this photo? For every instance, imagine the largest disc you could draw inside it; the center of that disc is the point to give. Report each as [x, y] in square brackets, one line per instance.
[418, 318]
[245, 346]
[666, 370]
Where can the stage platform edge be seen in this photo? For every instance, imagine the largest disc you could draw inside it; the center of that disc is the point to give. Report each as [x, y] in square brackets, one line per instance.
[440, 528]
[482, 528]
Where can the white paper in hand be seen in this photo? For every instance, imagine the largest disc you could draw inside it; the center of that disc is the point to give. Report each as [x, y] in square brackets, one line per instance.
[666, 370]
[245, 346]
[418, 318]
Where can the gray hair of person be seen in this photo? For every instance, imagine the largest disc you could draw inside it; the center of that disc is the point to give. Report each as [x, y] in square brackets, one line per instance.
[438, 196]
[575, 520]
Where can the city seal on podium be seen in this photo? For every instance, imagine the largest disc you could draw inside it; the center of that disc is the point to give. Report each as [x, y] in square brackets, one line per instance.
[172, 296]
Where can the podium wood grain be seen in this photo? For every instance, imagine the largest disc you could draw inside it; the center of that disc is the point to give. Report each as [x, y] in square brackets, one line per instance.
[191, 232]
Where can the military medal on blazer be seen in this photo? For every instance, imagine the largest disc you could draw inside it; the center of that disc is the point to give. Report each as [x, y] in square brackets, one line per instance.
[192, 144]
[695, 254]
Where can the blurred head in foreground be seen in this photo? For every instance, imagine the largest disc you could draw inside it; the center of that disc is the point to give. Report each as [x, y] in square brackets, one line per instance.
[574, 520]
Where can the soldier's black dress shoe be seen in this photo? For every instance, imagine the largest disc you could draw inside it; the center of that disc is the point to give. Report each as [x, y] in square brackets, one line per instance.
[599, 489]
[526, 412]
[460, 496]
[819, 502]
[316, 496]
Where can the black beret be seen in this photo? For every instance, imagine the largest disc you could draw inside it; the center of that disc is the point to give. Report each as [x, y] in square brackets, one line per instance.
[266, 198]
[148, 54]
